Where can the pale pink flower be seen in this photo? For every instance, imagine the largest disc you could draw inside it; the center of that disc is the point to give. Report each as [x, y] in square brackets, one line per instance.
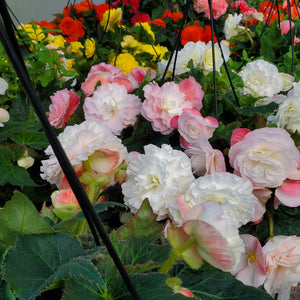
[162, 104]
[193, 91]
[65, 199]
[89, 141]
[285, 26]
[64, 104]
[263, 195]
[217, 239]
[191, 125]
[219, 7]
[288, 193]
[266, 156]
[113, 106]
[106, 73]
[205, 159]
[282, 255]
[4, 116]
[139, 74]
[251, 269]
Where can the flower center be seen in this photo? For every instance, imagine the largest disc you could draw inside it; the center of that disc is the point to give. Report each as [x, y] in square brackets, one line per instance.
[252, 257]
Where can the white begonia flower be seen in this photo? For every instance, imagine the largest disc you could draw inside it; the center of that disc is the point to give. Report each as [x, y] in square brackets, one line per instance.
[80, 141]
[287, 81]
[288, 114]
[3, 86]
[295, 91]
[261, 79]
[4, 116]
[230, 191]
[158, 175]
[207, 59]
[231, 24]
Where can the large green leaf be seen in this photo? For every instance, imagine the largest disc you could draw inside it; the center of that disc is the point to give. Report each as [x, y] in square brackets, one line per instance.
[37, 140]
[142, 223]
[10, 172]
[209, 283]
[18, 216]
[37, 260]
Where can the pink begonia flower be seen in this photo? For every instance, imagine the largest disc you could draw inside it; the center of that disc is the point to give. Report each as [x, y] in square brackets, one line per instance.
[191, 125]
[217, 239]
[4, 116]
[288, 193]
[64, 198]
[282, 255]
[193, 91]
[251, 269]
[238, 134]
[219, 7]
[80, 142]
[162, 104]
[263, 195]
[285, 26]
[113, 106]
[64, 104]
[205, 159]
[266, 156]
[106, 73]
[139, 74]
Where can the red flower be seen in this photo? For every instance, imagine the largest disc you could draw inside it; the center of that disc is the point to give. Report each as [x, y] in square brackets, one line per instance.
[47, 25]
[71, 29]
[158, 22]
[100, 10]
[67, 11]
[139, 16]
[135, 4]
[83, 6]
[195, 33]
[175, 16]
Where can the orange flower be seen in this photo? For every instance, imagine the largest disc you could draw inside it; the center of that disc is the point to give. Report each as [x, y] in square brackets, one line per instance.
[270, 11]
[83, 6]
[67, 11]
[47, 25]
[195, 33]
[71, 29]
[175, 16]
[158, 22]
[100, 10]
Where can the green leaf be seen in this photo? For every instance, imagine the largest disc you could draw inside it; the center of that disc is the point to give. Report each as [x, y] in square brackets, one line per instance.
[143, 223]
[19, 216]
[209, 283]
[37, 259]
[37, 140]
[265, 109]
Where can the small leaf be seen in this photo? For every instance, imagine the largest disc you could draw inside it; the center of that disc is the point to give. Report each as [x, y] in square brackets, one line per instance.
[142, 223]
[19, 215]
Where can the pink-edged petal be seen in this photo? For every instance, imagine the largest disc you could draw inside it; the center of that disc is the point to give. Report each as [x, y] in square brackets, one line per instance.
[183, 206]
[104, 161]
[288, 193]
[177, 237]
[238, 134]
[88, 87]
[212, 121]
[174, 122]
[211, 246]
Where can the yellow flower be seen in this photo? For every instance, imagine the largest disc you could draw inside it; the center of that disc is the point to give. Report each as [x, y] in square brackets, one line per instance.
[58, 41]
[126, 62]
[156, 51]
[35, 32]
[147, 28]
[129, 42]
[69, 64]
[74, 48]
[89, 47]
[111, 17]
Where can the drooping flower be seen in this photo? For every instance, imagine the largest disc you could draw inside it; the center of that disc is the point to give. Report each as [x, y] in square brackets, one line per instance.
[80, 142]
[205, 159]
[219, 7]
[158, 175]
[4, 116]
[89, 46]
[231, 24]
[111, 17]
[261, 79]
[251, 269]
[64, 104]
[231, 192]
[266, 156]
[113, 106]
[3, 86]
[283, 263]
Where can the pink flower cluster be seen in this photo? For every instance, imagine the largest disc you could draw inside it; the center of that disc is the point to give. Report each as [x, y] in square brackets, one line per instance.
[219, 7]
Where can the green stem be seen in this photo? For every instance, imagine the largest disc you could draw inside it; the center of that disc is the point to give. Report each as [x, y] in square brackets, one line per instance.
[271, 224]
[92, 191]
[83, 227]
[249, 35]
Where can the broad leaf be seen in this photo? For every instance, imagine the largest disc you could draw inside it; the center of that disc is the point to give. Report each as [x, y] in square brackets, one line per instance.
[37, 259]
[209, 283]
[143, 223]
[18, 216]
[37, 140]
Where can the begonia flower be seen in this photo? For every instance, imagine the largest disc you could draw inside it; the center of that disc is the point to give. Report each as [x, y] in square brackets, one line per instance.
[251, 269]
[288, 193]
[219, 7]
[63, 106]
[71, 29]
[231, 25]
[266, 156]
[4, 116]
[113, 106]
[3, 86]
